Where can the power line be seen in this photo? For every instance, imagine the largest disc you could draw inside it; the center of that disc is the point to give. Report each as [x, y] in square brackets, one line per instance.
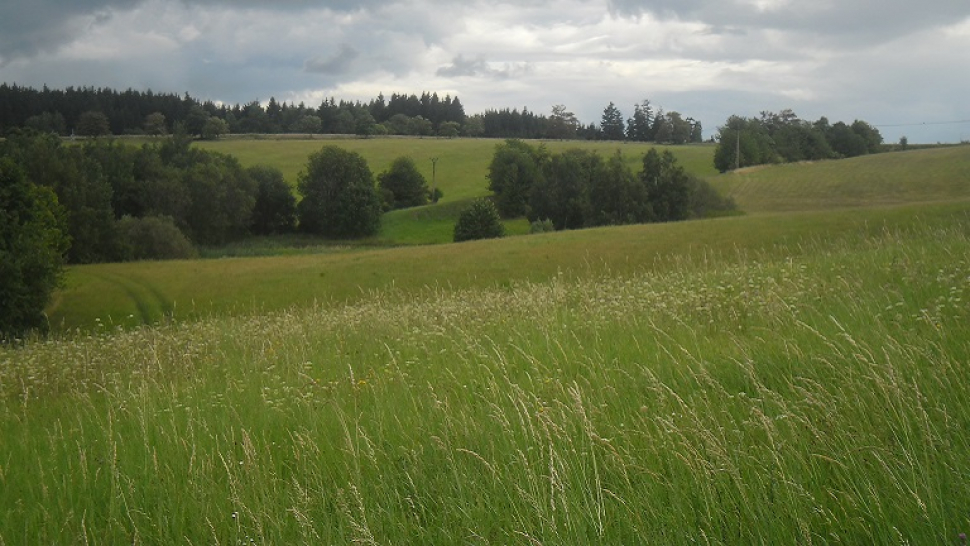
[954, 122]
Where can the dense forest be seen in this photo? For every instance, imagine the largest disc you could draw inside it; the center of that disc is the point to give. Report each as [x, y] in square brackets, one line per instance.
[88, 111]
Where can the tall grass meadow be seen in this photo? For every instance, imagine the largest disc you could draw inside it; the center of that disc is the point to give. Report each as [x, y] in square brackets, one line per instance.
[730, 397]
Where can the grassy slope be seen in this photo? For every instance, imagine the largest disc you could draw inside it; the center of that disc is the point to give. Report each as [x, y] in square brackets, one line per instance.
[779, 378]
[142, 292]
[941, 174]
[809, 393]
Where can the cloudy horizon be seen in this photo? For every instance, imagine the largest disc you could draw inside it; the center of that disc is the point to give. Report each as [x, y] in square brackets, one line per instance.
[899, 65]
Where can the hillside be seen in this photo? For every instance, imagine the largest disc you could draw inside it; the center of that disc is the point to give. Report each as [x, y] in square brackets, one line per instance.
[772, 379]
[930, 175]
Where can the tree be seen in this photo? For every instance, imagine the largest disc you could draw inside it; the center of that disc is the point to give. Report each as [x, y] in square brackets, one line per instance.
[309, 124]
[47, 122]
[214, 128]
[663, 129]
[404, 184]
[561, 194]
[449, 129]
[562, 123]
[679, 128]
[82, 191]
[93, 124]
[846, 142]
[869, 134]
[339, 196]
[481, 220]
[617, 196]
[274, 211]
[32, 245]
[747, 136]
[418, 125]
[638, 127]
[696, 131]
[612, 123]
[667, 186]
[222, 198]
[155, 124]
[512, 173]
[196, 119]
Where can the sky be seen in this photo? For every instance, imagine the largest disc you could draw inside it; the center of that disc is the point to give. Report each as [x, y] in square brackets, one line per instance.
[901, 65]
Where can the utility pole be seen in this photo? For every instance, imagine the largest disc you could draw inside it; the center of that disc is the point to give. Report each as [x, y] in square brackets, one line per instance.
[434, 187]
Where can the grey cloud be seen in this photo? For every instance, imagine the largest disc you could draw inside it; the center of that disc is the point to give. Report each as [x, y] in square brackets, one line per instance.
[462, 67]
[29, 26]
[848, 20]
[338, 63]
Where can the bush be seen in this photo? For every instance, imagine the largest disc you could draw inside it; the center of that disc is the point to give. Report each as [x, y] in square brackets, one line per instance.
[154, 238]
[707, 202]
[479, 221]
[541, 226]
[404, 183]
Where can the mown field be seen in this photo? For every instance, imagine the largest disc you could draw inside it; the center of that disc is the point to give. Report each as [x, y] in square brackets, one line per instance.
[775, 378]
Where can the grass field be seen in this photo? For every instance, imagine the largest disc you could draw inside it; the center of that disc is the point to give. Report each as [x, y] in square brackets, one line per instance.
[791, 376]
[940, 174]
[462, 164]
[807, 392]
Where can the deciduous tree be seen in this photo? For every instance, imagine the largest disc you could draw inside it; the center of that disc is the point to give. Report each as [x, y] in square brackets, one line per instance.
[339, 195]
[274, 211]
[32, 246]
[514, 169]
[93, 124]
[404, 184]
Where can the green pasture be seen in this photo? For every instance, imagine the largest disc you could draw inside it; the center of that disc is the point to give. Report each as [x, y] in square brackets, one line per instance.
[938, 174]
[770, 379]
[108, 295]
[462, 164]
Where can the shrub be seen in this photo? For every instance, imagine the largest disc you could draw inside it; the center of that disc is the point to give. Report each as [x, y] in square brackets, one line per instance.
[479, 221]
[541, 226]
[405, 183]
[154, 238]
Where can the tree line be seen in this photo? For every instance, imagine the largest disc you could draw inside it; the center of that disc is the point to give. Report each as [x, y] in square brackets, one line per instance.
[779, 137]
[579, 188]
[88, 111]
[104, 201]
